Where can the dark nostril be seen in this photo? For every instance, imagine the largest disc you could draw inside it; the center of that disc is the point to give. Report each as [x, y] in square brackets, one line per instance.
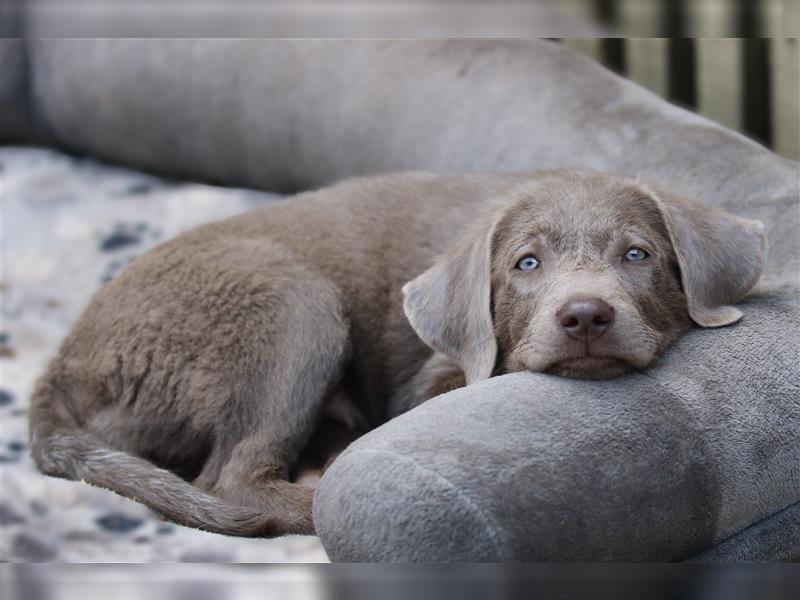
[585, 317]
[570, 322]
[604, 317]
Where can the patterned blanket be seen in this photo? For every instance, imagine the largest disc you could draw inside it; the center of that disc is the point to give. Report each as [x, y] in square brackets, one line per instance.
[68, 226]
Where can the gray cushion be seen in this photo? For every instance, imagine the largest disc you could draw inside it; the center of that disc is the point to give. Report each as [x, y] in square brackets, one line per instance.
[660, 465]
[293, 114]
[656, 466]
[776, 538]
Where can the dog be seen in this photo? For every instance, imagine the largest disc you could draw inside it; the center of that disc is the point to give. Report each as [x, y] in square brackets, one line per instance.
[197, 380]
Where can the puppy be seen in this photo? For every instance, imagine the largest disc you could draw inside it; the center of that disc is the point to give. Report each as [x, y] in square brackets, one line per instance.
[194, 381]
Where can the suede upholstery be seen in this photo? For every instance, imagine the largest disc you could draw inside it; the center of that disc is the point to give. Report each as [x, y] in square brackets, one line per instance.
[698, 456]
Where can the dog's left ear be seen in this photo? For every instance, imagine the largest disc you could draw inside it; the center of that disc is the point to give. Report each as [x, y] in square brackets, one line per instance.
[721, 256]
[449, 306]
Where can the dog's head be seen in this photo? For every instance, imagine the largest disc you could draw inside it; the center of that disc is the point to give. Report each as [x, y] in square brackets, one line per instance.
[583, 275]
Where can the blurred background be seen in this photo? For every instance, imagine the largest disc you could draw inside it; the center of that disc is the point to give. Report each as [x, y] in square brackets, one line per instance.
[734, 61]
[406, 19]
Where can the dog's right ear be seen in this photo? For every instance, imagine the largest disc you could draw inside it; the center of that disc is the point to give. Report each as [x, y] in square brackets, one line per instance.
[449, 306]
[721, 256]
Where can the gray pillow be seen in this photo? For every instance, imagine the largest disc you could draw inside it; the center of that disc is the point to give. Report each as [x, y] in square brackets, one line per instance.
[655, 466]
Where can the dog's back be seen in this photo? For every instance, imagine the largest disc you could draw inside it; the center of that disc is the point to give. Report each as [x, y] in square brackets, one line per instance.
[164, 351]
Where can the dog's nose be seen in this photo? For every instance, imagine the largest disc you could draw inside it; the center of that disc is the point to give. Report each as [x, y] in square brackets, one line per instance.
[585, 318]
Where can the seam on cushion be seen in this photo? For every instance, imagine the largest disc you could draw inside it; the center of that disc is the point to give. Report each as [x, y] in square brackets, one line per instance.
[732, 537]
[491, 526]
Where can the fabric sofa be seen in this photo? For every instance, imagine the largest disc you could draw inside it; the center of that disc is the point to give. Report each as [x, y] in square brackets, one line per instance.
[696, 458]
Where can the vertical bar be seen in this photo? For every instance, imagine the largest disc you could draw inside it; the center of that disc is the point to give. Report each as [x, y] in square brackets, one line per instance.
[672, 23]
[756, 91]
[591, 47]
[646, 54]
[681, 51]
[790, 18]
[785, 55]
[772, 13]
[712, 19]
[613, 50]
[682, 71]
[719, 80]
[647, 63]
[640, 18]
[748, 19]
[606, 12]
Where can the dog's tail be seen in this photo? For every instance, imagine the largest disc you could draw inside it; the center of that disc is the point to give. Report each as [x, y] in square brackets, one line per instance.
[61, 448]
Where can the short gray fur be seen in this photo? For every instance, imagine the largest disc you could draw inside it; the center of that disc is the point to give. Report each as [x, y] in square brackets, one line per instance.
[697, 456]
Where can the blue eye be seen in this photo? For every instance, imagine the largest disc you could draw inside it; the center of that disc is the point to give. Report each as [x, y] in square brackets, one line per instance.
[635, 254]
[528, 263]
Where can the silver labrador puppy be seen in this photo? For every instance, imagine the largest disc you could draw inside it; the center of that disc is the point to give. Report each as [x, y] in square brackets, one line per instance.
[196, 380]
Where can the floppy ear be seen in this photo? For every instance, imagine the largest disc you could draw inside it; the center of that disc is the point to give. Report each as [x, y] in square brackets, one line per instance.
[449, 306]
[721, 256]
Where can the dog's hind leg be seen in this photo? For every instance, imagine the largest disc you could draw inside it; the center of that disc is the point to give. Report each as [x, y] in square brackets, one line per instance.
[213, 355]
[303, 358]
